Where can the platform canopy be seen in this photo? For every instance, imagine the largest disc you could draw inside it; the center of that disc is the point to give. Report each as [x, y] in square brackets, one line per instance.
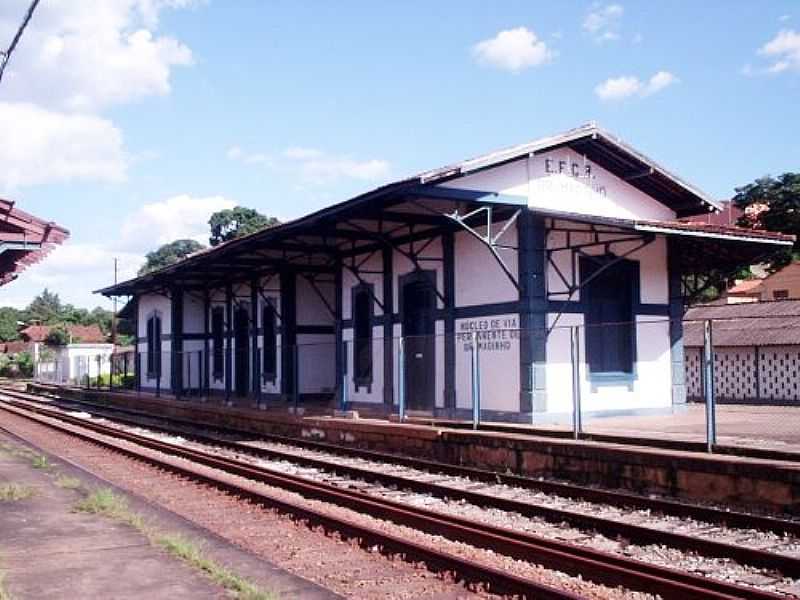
[24, 240]
[404, 214]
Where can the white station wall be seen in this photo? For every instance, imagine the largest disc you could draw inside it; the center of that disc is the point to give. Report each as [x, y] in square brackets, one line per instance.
[316, 352]
[557, 180]
[150, 304]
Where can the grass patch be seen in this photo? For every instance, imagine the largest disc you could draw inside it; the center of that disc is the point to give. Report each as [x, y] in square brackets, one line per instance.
[105, 502]
[191, 553]
[40, 461]
[11, 492]
[4, 594]
[67, 482]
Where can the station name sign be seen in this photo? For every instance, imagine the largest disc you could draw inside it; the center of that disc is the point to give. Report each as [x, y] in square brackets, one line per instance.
[495, 334]
[577, 170]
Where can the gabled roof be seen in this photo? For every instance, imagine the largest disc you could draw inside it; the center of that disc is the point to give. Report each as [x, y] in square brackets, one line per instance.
[748, 286]
[24, 240]
[87, 334]
[590, 140]
[605, 149]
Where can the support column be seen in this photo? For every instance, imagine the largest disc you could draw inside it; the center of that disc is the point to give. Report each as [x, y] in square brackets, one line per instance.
[137, 368]
[255, 365]
[176, 345]
[532, 312]
[206, 346]
[677, 357]
[288, 332]
[449, 276]
[228, 339]
[339, 338]
[388, 327]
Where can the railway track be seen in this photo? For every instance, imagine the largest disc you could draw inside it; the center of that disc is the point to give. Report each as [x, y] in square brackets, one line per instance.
[602, 567]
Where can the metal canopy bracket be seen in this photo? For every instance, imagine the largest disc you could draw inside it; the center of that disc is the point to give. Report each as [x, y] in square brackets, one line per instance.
[490, 240]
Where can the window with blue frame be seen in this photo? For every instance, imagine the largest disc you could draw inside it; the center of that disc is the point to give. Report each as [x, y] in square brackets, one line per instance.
[609, 293]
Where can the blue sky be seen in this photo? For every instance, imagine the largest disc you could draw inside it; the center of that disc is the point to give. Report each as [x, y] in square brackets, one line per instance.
[132, 120]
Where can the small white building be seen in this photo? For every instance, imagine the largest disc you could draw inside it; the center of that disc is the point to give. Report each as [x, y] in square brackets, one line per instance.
[566, 250]
[71, 364]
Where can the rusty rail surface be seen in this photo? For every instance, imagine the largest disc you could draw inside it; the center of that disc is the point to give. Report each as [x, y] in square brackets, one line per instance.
[640, 534]
[597, 566]
[729, 518]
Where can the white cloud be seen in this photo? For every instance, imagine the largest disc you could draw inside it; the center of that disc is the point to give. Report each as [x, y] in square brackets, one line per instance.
[602, 21]
[658, 82]
[512, 50]
[315, 166]
[299, 153]
[178, 217]
[75, 59]
[783, 50]
[77, 268]
[619, 88]
[238, 154]
[43, 146]
[84, 56]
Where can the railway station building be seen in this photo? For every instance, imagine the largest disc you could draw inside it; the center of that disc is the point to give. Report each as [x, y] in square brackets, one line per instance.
[569, 249]
[24, 240]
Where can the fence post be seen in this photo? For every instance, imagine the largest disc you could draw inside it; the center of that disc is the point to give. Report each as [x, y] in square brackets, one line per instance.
[259, 377]
[343, 397]
[476, 382]
[206, 381]
[158, 375]
[401, 380]
[708, 372]
[575, 356]
[188, 375]
[296, 376]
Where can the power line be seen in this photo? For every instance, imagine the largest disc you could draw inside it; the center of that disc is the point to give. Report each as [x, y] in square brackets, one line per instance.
[6, 55]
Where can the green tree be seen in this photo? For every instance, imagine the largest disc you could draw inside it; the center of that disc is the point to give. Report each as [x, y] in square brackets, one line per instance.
[9, 317]
[169, 254]
[235, 222]
[46, 308]
[100, 316]
[773, 203]
[58, 336]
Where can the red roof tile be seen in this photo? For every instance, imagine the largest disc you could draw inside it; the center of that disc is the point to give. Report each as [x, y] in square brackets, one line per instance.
[87, 334]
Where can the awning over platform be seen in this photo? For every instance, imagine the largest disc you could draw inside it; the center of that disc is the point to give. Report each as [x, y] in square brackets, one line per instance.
[24, 240]
[423, 206]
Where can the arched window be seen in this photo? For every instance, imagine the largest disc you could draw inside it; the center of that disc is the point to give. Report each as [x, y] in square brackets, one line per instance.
[270, 342]
[362, 335]
[154, 346]
[218, 338]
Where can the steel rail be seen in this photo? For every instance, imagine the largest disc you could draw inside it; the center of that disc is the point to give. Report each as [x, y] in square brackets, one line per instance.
[597, 566]
[640, 534]
[729, 518]
[498, 581]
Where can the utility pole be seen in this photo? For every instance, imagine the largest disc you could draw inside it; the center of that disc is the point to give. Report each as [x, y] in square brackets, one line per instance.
[114, 313]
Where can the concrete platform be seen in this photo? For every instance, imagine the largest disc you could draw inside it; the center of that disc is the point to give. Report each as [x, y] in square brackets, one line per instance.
[744, 481]
[49, 551]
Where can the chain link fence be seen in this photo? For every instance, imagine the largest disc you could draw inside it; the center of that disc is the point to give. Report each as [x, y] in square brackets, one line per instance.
[651, 379]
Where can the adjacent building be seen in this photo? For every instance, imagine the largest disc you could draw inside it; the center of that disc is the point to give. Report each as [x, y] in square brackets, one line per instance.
[24, 240]
[783, 284]
[564, 251]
